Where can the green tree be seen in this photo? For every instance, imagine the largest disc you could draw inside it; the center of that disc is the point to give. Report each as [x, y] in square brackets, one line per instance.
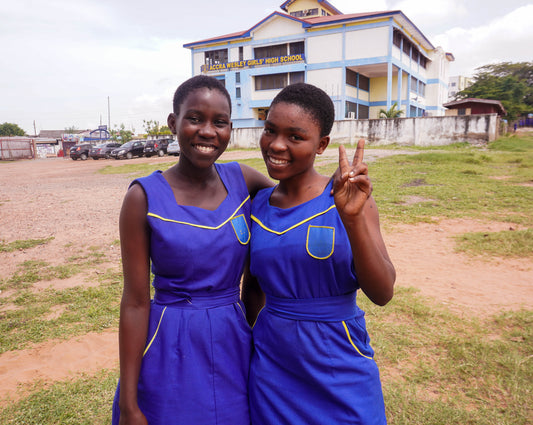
[165, 130]
[71, 129]
[152, 127]
[120, 134]
[510, 83]
[9, 129]
[392, 112]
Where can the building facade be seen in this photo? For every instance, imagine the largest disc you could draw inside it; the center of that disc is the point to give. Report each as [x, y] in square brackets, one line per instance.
[457, 84]
[366, 62]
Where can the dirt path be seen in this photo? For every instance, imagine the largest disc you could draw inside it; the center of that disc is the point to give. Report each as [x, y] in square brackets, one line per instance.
[67, 200]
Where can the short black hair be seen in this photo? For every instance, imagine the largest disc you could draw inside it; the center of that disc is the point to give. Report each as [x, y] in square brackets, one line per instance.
[195, 83]
[311, 99]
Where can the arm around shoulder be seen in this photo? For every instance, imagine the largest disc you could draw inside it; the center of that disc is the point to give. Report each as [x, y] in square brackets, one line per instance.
[255, 181]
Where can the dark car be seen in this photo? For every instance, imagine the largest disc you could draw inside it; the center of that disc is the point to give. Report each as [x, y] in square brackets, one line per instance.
[129, 150]
[80, 151]
[157, 147]
[103, 150]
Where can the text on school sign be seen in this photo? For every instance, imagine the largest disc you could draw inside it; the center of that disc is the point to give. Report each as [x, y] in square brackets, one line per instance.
[253, 62]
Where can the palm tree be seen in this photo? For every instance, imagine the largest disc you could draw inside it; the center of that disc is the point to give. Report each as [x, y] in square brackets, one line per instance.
[393, 112]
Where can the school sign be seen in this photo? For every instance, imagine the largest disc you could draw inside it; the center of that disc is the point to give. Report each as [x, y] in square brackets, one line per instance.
[228, 66]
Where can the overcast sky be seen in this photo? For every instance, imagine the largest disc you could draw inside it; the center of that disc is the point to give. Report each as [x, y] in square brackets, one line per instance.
[63, 59]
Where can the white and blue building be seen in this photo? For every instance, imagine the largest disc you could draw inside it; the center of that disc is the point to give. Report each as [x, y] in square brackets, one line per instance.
[366, 62]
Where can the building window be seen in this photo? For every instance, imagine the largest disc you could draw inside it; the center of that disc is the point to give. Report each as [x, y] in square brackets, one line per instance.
[413, 85]
[278, 81]
[276, 50]
[363, 112]
[406, 46]
[397, 38]
[215, 57]
[297, 77]
[352, 80]
[297, 48]
[237, 92]
[270, 51]
[237, 77]
[421, 88]
[461, 111]
[357, 111]
[304, 13]
[364, 83]
[270, 82]
[241, 53]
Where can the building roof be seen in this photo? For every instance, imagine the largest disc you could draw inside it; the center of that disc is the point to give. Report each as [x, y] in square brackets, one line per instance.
[316, 22]
[461, 102]
[57, 134]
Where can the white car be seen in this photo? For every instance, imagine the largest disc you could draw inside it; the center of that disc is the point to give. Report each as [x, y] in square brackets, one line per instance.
[173, 148]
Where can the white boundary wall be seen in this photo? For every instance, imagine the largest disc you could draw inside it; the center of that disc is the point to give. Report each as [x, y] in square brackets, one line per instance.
[422, 131]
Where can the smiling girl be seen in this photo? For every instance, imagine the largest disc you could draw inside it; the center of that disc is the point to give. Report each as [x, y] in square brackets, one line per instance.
[315, 242]
[184, 356]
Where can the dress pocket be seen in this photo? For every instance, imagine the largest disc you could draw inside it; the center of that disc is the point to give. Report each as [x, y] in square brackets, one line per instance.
[155, 333]
[354, 341]
[240, 227]
[320, 241]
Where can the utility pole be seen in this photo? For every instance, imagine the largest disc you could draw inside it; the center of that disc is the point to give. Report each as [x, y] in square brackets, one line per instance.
[108, 116]
[34, 129]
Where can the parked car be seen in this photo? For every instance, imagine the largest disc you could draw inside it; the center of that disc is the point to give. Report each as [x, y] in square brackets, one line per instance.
[80, 151]
[129, 150]
[173, 148]
[156, 147]
[103, 150]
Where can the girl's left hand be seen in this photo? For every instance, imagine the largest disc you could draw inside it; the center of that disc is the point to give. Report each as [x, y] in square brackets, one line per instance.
[351, 185]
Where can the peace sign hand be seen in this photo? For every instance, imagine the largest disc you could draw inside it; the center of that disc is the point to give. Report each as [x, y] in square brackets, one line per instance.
[351, 184]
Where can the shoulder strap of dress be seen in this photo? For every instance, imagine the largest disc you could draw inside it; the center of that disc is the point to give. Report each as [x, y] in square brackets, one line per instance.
[151, 184]
[232, 176]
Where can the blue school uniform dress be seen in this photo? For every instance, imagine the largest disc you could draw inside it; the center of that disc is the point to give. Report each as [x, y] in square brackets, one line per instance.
[196, 361]
[312, 360]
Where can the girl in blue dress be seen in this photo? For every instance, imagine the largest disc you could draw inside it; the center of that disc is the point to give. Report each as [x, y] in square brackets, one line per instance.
[315, 242]
[184, 356]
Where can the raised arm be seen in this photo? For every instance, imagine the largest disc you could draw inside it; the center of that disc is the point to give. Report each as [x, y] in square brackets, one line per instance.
[359, 214]
[135, 304]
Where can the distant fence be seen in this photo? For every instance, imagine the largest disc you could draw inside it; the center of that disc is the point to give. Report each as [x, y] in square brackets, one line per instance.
[12, 148]
[421, 131]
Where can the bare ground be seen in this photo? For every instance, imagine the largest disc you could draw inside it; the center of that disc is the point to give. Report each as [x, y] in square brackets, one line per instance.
[69, 201]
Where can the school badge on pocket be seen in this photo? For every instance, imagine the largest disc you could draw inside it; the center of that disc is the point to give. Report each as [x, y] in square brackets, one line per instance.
[240, 227]
[320, 241]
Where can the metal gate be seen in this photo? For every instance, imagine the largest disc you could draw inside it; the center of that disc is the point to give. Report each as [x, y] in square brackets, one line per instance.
[16, 148]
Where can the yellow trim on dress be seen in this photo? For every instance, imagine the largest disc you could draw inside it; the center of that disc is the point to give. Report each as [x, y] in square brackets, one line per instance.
[198, 225]
[155, 333]
[254, 218]
[351, 342]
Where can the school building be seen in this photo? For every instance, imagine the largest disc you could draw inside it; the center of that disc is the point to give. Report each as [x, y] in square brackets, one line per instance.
[366, 62]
